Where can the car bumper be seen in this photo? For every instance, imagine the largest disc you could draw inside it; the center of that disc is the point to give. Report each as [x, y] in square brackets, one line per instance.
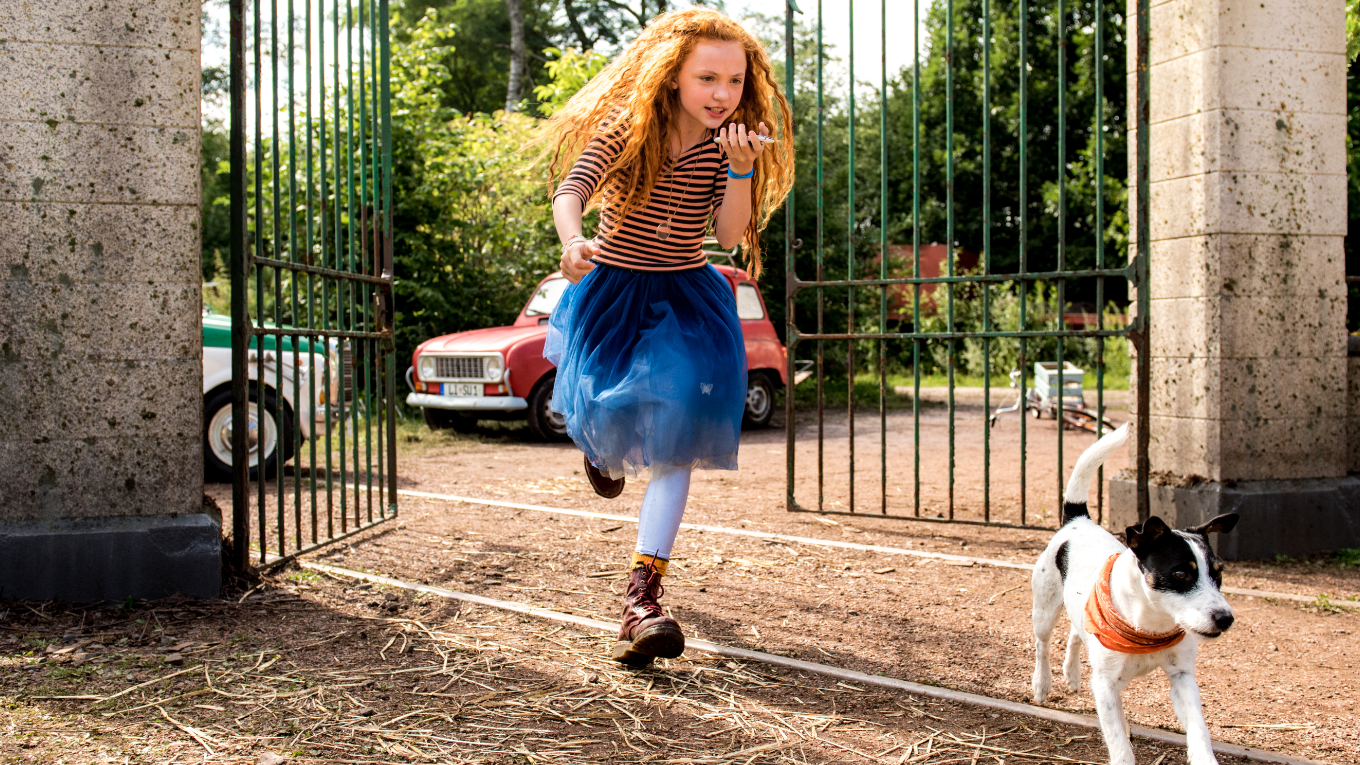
[468, 403]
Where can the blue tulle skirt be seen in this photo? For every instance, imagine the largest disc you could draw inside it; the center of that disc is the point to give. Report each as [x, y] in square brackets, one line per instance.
[651, 368]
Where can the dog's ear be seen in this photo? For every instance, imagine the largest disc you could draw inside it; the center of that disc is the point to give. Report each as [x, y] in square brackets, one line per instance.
[1140, 538]
[1220, 525]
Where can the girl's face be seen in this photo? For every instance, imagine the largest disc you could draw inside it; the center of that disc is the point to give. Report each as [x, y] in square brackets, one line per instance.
[710, 82]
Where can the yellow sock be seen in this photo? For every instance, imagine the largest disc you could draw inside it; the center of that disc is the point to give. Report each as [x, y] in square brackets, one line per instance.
[640, 560]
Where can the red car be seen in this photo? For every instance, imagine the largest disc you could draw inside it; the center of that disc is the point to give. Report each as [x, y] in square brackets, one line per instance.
[500, 373]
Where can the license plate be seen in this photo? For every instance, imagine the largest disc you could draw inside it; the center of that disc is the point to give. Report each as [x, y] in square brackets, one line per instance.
[462, 389]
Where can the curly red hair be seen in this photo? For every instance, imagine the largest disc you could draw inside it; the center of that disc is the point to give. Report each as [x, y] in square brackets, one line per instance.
[633, 96]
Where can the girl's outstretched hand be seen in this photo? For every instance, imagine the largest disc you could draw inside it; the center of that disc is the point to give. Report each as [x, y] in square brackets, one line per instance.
[742, 147]
[576, 260]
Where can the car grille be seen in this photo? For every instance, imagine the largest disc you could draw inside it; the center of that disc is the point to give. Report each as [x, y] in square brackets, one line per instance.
[460, 367]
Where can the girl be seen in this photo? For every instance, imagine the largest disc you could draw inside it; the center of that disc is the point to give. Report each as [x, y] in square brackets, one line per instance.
[651, 366]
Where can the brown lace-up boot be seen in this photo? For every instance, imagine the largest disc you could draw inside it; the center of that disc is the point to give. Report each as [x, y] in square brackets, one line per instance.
[603, 485]
[647, 632]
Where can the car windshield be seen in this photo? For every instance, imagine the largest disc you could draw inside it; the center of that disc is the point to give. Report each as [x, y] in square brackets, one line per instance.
[545, 300]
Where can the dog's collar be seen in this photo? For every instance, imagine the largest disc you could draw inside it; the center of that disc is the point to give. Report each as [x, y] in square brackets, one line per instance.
[1114, 631]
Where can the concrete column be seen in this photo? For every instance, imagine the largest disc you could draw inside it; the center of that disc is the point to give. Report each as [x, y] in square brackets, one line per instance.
[1248, 299]
[101, 458]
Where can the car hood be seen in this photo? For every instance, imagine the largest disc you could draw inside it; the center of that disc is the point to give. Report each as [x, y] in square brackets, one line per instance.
[483, 340]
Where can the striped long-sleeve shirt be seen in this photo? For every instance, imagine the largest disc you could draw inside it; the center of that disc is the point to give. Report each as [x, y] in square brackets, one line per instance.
[688, 191]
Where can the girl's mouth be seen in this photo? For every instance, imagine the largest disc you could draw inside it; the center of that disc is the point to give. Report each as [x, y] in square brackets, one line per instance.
[714, 111]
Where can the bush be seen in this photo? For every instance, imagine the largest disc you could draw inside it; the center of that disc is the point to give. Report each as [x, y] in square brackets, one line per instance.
[473, 229]
[1040, 313]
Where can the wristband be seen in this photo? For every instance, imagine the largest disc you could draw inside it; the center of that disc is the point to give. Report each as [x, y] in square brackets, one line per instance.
[573, 240]
[731, 174]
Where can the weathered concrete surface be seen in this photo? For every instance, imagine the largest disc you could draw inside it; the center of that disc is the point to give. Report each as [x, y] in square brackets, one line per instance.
[1249, 396]
[1277, 517]
[100, 347]
[104, 84]
[110, 558]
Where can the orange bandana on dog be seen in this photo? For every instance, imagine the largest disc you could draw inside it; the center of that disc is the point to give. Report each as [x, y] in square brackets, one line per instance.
[1112, 630]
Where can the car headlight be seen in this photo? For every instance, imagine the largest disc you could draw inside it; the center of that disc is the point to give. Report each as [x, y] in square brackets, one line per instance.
[495, 367]
[426, 367]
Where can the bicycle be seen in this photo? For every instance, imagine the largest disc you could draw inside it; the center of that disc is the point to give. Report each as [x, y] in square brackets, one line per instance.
[1075, 414]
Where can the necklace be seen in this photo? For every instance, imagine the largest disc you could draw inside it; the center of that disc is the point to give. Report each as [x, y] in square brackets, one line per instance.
[663, 229]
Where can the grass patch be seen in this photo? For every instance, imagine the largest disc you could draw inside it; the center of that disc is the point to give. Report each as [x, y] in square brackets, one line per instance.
[1348, 558]
[1326, 604]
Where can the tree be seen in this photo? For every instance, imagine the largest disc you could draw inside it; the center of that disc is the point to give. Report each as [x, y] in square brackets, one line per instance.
[472, 228]
[1044, 163]
[479, 66]
[515, 88]
[834, 228]
[214, 213]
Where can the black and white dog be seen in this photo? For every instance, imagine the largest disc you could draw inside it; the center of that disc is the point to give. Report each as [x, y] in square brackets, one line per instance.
[1135, 608]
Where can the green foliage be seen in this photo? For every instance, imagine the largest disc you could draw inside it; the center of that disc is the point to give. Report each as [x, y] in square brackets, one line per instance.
[1003, 303]
[569, 71]
[472, 228]
[1040, 131]
[1352, 29]
[1325, 603]
[477, 69]
[841, 238]
[214, 212]
[1348, 558]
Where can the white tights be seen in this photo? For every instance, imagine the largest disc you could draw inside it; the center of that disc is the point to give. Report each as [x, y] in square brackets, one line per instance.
[662, 508]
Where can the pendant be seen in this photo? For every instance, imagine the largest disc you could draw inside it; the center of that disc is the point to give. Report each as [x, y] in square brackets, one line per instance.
[663, 230]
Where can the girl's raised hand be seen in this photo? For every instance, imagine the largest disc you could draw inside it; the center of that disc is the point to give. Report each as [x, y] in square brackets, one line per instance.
[742, 147]
[576, 260]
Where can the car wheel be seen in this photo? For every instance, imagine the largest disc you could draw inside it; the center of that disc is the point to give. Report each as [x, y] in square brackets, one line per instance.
[265, 436]
[448, 419]
[544, 423]
[759, 401]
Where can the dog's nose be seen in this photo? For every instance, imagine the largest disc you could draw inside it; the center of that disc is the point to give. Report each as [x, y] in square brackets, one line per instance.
[1223, 620]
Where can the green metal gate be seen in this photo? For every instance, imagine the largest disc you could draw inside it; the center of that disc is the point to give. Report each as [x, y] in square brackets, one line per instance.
[313, 366]
[933, 324]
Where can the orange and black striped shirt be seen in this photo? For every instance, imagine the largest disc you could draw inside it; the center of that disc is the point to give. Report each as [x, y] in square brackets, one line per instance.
[689, 191]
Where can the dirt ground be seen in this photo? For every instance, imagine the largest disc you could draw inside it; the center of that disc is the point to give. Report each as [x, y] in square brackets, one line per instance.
[1282, 679]
[313, 669]
[322, 669]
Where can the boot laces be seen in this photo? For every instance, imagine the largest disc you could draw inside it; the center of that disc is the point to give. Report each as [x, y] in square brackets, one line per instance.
[651, 591]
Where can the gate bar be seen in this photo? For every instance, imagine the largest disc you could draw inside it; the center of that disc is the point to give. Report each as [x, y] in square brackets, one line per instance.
[1134, 271]
[1128, 272]
[340, 275]
[1144, 224]
[240, 338]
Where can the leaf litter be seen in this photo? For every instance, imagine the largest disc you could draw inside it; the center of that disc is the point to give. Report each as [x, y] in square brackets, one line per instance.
[313, 676]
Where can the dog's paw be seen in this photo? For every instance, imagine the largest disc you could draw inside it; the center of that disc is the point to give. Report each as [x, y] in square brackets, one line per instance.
[1204, 757]
[1072, 674]
[1072, 667]
[1041, 684]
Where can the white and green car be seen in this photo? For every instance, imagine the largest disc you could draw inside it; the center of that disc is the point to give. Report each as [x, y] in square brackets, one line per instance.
[268, 437]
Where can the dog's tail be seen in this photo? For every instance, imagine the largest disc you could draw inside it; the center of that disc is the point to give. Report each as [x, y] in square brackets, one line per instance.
[1079, 485]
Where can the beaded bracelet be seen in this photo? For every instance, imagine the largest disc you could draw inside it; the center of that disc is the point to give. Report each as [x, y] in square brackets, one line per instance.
[731, 174]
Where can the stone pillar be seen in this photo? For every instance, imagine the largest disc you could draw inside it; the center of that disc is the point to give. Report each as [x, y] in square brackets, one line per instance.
[101, 457]
[1248, 299]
